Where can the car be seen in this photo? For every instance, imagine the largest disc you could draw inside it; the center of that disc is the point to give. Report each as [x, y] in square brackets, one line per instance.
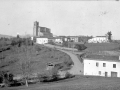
[2, 84]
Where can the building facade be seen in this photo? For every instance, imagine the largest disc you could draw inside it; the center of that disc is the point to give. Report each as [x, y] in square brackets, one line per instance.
[103, 66]
[98, 39]
[58, 40]
[74, 38]
[41, 40]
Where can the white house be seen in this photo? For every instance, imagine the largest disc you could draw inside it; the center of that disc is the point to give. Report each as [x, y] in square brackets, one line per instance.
[41, 40]
[98, 39]
[100, 65]
[58, 40]
[74, 38]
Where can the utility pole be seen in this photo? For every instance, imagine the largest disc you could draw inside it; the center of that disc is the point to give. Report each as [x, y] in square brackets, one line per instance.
[73, 47]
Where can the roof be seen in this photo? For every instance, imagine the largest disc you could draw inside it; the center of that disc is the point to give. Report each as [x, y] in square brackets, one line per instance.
[102, 57]
[76, 42]
[58, 37]
[100, 36]
[45, 37]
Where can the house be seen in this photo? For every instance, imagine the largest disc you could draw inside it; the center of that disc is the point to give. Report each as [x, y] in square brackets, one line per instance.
[44, 40]
[58, 40]
[74, 38]
[102, 65]
[41, 40]
[98, 39]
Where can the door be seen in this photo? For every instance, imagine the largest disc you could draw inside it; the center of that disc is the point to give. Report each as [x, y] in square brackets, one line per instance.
[106, 74]
[113, 74]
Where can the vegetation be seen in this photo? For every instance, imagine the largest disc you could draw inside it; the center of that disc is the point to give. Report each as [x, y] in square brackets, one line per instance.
[26, 70]
[65, 44]
[80, 47]
[52, 75]
[109, 36]
[76, 83]
[23, 57]
[6, 77]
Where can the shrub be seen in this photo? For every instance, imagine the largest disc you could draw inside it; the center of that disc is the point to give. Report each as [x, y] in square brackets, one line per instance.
[68, 75]
[80, 47]
[49, 76]
[68, 63]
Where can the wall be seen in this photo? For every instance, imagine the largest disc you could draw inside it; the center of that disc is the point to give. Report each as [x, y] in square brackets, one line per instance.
[41, 40]
[58, 40]
[90, 67]
[98, 39]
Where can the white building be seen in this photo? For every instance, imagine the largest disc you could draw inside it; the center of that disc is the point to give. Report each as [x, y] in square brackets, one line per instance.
[74, 38]
[58, 40]
[98, 39]
[41, 40]
[99, 65]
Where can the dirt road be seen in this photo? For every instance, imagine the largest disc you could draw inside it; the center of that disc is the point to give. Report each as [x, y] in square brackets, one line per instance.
[77, 68]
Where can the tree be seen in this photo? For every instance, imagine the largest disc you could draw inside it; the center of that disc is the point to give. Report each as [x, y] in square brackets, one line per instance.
[26, 70]
[109, 35]
[80, 47]
[26, 67]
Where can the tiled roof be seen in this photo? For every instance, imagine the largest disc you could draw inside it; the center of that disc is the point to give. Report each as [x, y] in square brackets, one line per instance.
[102, 57]
[100, 36]
[45, 37]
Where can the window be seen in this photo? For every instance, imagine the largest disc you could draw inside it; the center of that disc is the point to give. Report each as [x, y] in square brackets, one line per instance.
[114, 65]
[97, 64]
[104, 64]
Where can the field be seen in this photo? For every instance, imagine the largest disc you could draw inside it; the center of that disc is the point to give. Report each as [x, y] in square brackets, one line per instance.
[95, 47]
[77, 83]
[39, 56]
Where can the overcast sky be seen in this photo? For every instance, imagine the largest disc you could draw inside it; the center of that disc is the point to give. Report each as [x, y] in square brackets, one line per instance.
[63, 17]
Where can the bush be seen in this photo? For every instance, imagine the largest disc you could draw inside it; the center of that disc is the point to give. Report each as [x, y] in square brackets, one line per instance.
[49, 76]
[68, 75]
[80, 47]
[68, 63]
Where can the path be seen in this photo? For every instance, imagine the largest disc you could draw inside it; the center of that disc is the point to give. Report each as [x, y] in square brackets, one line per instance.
[77, 68]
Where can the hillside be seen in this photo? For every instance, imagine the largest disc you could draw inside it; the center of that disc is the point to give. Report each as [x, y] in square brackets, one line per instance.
[5, 36]
[39, 56]
[77, 83]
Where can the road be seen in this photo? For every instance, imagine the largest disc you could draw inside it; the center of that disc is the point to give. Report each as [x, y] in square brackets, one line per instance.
[77, 68]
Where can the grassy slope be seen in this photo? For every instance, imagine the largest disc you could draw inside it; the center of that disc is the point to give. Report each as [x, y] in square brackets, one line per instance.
[39, 59]
[77, 83]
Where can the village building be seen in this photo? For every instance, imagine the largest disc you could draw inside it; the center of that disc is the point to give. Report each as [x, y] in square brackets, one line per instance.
[44, 40]
[98, 39]
[58, 40]
[74, 38]
[102, 65]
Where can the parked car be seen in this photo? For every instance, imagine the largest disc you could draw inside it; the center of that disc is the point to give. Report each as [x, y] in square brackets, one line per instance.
[2, 85]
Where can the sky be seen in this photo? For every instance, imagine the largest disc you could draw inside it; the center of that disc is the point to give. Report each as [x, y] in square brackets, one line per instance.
[92, 18]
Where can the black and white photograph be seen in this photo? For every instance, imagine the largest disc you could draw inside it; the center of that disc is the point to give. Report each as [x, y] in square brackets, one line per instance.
[59, 45]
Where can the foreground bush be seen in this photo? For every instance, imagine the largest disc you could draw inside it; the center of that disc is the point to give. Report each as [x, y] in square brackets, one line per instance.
[49, 76]
[55, 77]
